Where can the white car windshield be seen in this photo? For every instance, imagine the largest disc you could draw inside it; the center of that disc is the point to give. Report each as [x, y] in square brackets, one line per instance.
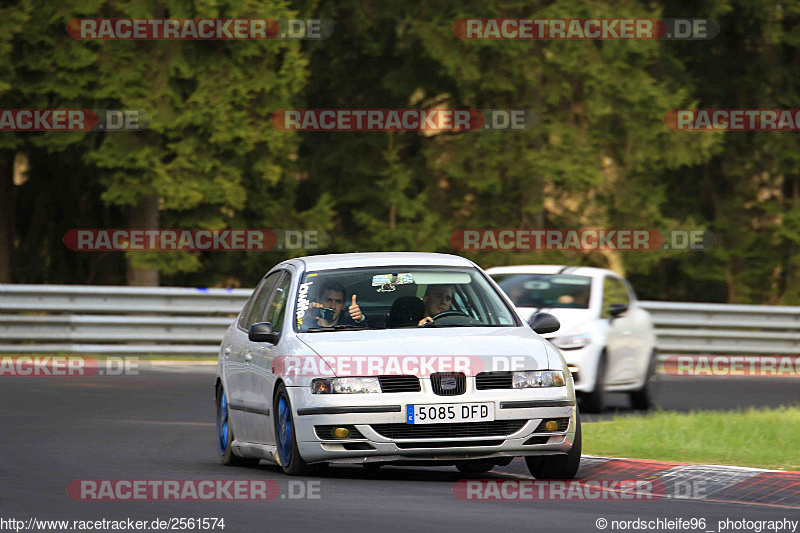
[546, 290]
[398, 297]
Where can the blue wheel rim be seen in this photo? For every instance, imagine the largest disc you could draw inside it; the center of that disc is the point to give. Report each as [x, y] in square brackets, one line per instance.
[284, 430]
[222, 422]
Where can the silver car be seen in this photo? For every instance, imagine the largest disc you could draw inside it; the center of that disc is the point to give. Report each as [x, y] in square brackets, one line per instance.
[401, 358]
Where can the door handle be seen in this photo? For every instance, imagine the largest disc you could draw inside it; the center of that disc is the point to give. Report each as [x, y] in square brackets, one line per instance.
[248, 358]
[227, 351]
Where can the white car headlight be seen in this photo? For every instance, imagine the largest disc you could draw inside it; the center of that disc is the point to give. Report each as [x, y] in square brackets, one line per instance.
[538, 378]
[573, 340]
[345, 385]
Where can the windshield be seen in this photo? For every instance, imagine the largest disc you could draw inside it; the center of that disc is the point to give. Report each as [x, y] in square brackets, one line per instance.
[398, 297]
[546, 290]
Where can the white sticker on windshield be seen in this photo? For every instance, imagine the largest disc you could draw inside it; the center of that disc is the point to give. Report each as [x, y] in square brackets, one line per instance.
[302, 302]
[392, 279]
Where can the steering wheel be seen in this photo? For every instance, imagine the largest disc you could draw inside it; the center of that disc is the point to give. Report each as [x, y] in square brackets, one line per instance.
[445, 314]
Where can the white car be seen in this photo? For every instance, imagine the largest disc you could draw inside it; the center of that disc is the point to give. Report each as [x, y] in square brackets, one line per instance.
[428, 331]
[606, 337]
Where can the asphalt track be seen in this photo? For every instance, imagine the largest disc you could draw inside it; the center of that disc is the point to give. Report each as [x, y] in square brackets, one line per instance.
[159, 425]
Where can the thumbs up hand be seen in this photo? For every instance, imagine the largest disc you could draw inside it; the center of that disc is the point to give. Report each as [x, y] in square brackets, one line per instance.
[355, 311]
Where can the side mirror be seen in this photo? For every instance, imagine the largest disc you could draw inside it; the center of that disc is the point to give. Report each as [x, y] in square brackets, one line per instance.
[262, 332]
[544, 323]
[616, 310]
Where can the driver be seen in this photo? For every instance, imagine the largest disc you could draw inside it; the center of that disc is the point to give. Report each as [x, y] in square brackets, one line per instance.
[580, 298]
[332, 296]
[437, 299]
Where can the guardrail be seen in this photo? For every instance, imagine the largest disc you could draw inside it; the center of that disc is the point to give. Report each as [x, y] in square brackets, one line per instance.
[77, 319]
[695, 328]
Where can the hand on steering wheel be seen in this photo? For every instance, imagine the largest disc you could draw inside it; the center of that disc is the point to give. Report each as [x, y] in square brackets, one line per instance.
[445, 314]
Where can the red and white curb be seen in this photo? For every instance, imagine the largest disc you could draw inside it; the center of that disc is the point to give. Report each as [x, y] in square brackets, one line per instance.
[719, 483]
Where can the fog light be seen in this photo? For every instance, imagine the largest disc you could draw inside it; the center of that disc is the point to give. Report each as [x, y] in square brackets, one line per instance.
[551, 425]
[343, 433]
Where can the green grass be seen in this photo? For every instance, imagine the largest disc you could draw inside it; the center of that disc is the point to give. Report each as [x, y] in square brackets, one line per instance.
[763, 438]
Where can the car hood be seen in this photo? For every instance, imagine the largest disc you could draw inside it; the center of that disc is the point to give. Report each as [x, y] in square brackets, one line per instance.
[569, 318]
[488, 348]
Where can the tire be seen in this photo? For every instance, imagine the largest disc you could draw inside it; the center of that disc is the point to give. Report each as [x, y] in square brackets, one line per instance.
[475, 468]
[225, 436]
[642, 399]
[285, 437]
[594, 402]
[558, 466]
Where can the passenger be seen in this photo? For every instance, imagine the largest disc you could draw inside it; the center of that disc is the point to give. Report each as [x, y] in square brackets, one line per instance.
[437, 299]
[330, 302]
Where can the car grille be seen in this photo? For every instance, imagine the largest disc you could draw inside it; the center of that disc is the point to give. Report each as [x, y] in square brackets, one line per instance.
[493, 380]
[450, 444]
[449, 431]
[563, 424]
[326, 432]
[399, 383]
[449, 383]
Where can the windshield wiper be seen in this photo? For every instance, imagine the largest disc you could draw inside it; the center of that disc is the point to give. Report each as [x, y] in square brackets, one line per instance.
[337, 327]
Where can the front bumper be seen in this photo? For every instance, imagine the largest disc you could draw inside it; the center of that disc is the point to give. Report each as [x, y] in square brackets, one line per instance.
[363, 411]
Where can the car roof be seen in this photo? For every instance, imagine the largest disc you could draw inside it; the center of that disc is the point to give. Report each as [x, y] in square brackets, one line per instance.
[551, 269]
[378, 259]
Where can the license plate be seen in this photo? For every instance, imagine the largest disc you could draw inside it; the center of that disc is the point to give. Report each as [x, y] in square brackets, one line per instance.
[442, 413]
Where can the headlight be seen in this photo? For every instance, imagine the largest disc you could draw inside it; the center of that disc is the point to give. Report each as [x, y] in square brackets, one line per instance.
[345, 385]
[538, 378]
[573, 340]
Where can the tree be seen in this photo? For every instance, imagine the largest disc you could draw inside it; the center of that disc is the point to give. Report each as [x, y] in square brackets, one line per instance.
[208, 102]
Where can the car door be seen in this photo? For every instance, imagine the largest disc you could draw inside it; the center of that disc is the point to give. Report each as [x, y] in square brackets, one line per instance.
[235, 364]
[619, 347]
[259, 368]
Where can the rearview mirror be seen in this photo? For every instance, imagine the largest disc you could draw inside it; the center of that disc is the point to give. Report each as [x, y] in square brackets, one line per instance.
[544, 323]
[616, 310]
[262, 332]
